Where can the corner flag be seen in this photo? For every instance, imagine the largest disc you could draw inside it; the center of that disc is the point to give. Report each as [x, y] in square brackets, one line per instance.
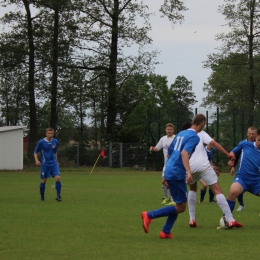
[102, 153]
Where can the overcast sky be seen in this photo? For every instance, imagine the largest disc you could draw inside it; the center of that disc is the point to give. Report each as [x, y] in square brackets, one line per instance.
[186, 46]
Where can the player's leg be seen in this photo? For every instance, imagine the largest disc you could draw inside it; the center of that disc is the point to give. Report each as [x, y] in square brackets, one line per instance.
[44, 174]
[211, 179]
[56, 175]
[203, 189]
[211, 196]
[235, 190]
[165, 192]
[192, 199]
[240, 200]
[178, 191]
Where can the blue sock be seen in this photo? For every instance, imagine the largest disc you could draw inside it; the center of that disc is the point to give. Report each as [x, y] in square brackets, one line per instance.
[202, 194]
[42, 189]
[169, 223]
[58, 188]
[211, 195]
[231, 204]
[240, 199]
[162, 212]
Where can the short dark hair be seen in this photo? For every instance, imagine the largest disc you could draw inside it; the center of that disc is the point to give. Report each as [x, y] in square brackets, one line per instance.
[198, 119]
[49, 129]
[185, 125]
[258, 132]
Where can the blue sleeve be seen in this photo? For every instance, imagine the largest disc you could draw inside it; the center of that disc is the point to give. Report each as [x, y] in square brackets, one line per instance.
[191, 144]
[38, 147]
[238, 149]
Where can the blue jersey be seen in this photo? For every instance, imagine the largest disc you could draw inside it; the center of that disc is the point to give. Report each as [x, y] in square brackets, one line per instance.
[185, 140]
[210, 153]
[48, 150]
[249, 163]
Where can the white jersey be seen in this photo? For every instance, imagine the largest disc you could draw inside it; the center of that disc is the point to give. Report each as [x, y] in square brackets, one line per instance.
[164, 143]
[199, 160]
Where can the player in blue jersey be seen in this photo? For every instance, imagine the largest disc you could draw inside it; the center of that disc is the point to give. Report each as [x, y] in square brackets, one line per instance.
[177, 174]
[247, 176]
[49, 165]
[210, 152]
[251, 136]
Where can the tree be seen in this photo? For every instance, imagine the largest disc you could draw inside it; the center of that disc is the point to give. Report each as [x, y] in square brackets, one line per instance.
[141, 93]
[108, 24]
[23, 33]
[184, 98]
[243, 20]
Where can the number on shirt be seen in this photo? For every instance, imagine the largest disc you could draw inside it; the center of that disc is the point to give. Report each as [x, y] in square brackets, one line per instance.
[178, 143]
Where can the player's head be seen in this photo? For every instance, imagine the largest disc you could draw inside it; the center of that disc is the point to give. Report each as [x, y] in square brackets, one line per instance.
[49, 133]
[251, 133]
[186, 125]
[169, 129]
[199, 122]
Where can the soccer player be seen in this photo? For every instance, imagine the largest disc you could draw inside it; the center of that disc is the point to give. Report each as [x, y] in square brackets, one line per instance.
[210, 150]
[49, 165]
[247, 176]
[201, 167]
[251, 136]
[164, 143]
[177, 174]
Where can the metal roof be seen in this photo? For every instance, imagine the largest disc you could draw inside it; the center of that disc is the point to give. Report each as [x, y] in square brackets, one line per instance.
[11, 128]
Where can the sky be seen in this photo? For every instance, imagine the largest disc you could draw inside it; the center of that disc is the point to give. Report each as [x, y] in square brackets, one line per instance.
[185, 46]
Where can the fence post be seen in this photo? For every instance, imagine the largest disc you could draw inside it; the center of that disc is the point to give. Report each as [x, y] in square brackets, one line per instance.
[234, 129]
[217, 133]
[110, 154]
[120, 155]
[78, 154]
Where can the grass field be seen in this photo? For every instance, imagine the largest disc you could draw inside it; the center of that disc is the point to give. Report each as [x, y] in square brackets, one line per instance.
[99, 218]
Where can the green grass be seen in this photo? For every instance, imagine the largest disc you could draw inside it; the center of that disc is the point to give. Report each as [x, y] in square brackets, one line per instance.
[99, 218]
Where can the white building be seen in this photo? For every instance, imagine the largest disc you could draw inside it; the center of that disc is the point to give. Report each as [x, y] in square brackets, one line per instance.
[11, 147]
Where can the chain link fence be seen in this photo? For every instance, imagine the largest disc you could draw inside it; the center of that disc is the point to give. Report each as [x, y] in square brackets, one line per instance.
[133, 155]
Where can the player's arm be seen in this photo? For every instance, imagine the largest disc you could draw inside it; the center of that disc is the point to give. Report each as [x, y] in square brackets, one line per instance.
[154, 149]
[222, 149]
[56, 156]
[185, 160]
[37, 162]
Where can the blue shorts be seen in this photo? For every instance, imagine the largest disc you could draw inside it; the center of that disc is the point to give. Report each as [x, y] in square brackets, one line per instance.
[49, 171]
[178, 190]
[252, 186]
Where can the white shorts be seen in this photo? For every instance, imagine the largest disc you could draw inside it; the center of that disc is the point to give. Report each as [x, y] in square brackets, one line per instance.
[208, 175]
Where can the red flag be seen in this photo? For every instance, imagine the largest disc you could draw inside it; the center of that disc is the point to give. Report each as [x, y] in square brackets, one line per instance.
[102, 153]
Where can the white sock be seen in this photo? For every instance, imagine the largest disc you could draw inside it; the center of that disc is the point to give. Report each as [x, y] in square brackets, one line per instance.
[222, 202]
[192, 203]
[165, 191]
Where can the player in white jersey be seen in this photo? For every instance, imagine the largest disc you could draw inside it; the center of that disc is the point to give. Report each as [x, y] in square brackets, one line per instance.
[201, 167]
[164, 143]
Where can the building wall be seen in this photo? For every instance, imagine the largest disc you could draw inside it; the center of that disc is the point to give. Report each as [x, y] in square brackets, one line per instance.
[11, 149]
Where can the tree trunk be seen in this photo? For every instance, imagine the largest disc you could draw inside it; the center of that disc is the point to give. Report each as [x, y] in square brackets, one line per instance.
[112, 82]
[54, 116]
[32, 106]
[251, 67]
